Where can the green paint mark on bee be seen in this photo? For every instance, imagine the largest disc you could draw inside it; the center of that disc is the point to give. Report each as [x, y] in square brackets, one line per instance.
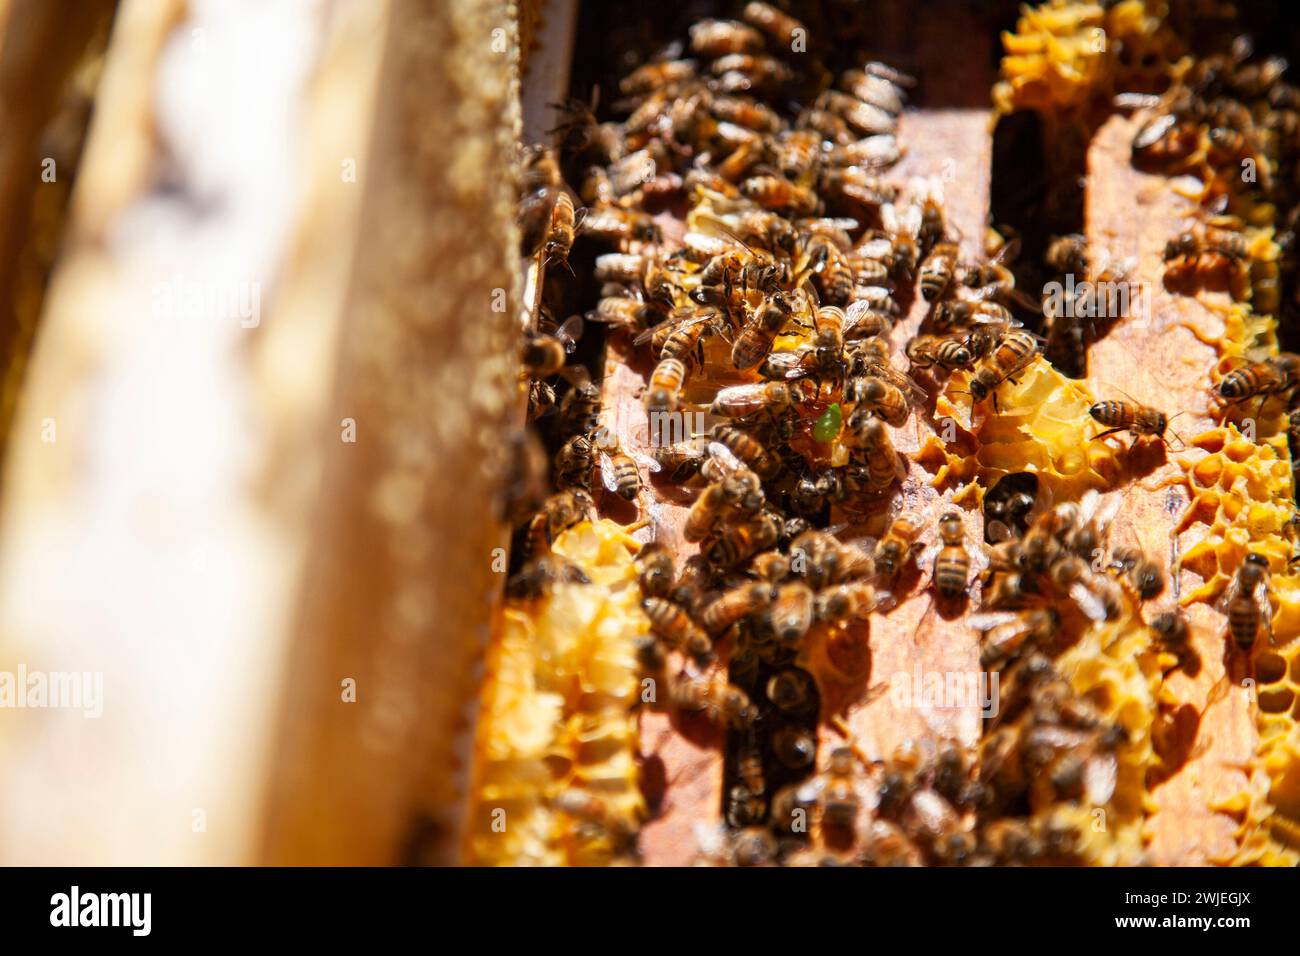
[827, 425]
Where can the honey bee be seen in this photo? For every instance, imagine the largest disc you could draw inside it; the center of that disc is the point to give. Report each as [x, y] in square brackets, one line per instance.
[748, 450]
[839, 797]
[898, 544]
[619, 473]
[1013, 353]
[813, 492]
[723, 702]
[541, 399]
[771, 566]
[853, 600]
[1216, 254]
[833, 275]
[874, 396]
[1096, 596]
[778, 193]
[738, 165]
[614, 224]
[1165, 139]
[655, 569]
[828, 337]
[665, 75]
[671, 623]
[1291, 532]
[986, 316]
[740, 492]
[541, 183]
[1246, 603]
[1172, 634]
[1138, 420]
[1009, 590]
[826, 125]
[767, 230]
[543, 354]
[865, 119]
[872, 88]
[665, 388]
[790, 615]
[863, 321]
[561, 230]
[541, 574]
[1068, 255]
[747, 600]
[575, 463]
[679, 461]
[1273, 376]
[714, 38]
[748, 113]
[755, 340]
[766, 400]
[798, 158]
[1143, 575]
[597, 811]
[781, 27]
[876, 450]
[746, 72]
[622, 311]
[952, 564]
[937, 270]
[581, 405]
[741, 541]
[1005, 635]
[558, 513]
[927, 351]
[870, 152]
[818, 557]
[855, 184]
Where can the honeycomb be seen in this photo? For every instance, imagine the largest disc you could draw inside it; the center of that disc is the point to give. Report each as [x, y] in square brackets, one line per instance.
[1065, 56]
[1041, 428]
[558, 713]
[1242, 493]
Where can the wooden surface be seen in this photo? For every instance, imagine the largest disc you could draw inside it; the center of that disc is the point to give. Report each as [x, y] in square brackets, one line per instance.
[946, 136]
[1159, 361]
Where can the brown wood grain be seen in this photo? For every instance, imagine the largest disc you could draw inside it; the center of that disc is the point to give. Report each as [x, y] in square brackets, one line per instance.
[1154, 356]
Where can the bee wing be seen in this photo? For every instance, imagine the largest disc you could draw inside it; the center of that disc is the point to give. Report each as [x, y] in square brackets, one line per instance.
[1135, 101]
[607, 477]
[674, 322]
[1265, 607]
[1100, 775]
[785, 366]
[570, 332]
[1087, 602]
[987, 620]
[649, 462]
[899, 379]
[747, 397]
[1230, 594]
[724, 455]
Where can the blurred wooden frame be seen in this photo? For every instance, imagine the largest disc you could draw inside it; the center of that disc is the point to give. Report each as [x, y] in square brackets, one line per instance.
[235, 578]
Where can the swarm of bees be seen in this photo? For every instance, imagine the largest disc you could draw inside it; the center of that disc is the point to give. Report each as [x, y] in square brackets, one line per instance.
[752, 255]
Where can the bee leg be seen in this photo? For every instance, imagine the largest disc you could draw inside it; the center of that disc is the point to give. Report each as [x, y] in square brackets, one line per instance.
[1109, 431]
